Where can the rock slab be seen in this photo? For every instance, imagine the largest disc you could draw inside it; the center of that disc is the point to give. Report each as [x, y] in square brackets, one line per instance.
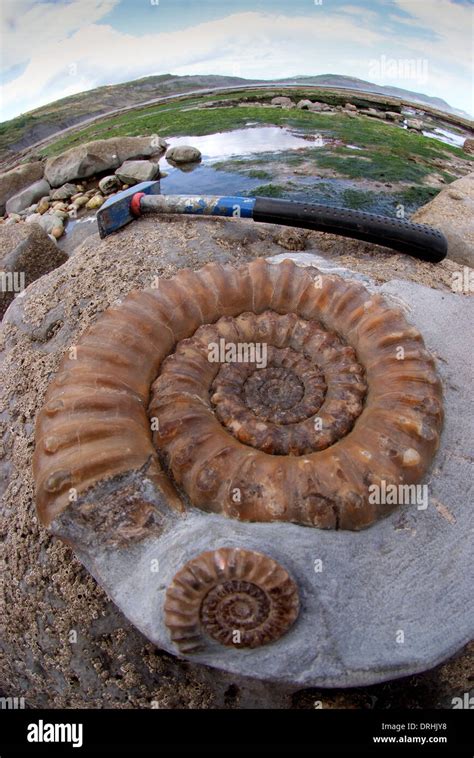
[389, 601]
[132, 172]
[28, 196]
[26, 253]
[452, 212]
[101, 155]
[12, 182]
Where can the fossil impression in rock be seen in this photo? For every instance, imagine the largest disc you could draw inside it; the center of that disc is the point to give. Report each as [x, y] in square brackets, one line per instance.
[238, 597]
[347, 397]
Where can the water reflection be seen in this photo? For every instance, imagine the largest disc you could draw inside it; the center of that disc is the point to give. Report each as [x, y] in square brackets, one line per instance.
[259, 139]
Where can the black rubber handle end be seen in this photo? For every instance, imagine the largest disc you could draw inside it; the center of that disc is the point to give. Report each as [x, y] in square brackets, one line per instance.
[418, 240]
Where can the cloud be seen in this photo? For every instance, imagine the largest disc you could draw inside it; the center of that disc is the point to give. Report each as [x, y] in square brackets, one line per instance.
[74, 54]
[263, 45]
[450, 26]
[28, 28]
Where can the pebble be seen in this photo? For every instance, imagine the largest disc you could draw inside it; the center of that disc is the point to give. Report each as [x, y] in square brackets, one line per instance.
[43, 206]
[80, 201]
[95, 202]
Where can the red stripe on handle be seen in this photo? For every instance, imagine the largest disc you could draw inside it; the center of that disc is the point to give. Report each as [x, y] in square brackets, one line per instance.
[135, 203]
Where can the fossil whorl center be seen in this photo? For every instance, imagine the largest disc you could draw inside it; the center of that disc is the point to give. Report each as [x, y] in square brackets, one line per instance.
[240, 598]
[306, 396]
[341, 396]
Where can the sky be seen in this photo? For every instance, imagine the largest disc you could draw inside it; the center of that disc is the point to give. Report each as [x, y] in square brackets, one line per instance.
[55, 48]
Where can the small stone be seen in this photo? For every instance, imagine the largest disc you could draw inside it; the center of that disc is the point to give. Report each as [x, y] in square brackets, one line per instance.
[350, 107]
[63, 215]
[43, 206]
[14, 217]
[283, 102]
[80, 201]
[468, 146]
[292, 239]
[415, 123]
[316, 107]
[393, 116]
[183, 154]
[95, 202]
[304, 104]
[109, 184]
[64, 192]
[131, 172]
[52, 224]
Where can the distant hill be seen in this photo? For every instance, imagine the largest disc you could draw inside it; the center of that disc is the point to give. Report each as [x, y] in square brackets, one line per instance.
[335, 80]
[36, 125]
[29, 128]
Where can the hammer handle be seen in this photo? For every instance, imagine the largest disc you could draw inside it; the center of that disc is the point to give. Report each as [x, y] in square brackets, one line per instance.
[418, 240]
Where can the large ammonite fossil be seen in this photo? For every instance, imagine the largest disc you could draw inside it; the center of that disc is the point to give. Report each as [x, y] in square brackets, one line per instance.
[264, 393]
[347, 396]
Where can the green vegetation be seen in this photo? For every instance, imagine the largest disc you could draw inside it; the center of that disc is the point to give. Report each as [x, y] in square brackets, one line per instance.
[271, 190]
[384, 164]
[417, 195]
[357, 199]
[255, 173]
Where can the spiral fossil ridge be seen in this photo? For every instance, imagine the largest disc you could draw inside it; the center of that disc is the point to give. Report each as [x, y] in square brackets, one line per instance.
[348, 397]
[238, 597]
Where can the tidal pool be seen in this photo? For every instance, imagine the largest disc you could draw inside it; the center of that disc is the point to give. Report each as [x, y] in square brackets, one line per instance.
[252, 139]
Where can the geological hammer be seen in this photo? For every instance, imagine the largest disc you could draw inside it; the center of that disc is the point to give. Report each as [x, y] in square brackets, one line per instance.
[419, 240]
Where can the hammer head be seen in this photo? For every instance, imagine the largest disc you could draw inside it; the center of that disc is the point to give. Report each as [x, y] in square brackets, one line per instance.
[117, 211]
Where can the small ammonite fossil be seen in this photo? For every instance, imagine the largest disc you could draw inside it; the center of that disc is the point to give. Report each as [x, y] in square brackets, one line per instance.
[238, 597]
[339, 395]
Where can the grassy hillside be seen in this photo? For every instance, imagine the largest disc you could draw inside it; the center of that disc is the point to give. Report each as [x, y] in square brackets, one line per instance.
[32, 127]
[25, 130]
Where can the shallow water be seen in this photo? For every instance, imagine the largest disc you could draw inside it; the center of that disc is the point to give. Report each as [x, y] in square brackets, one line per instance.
[247, 141]
[205, 180]
[446, 136]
